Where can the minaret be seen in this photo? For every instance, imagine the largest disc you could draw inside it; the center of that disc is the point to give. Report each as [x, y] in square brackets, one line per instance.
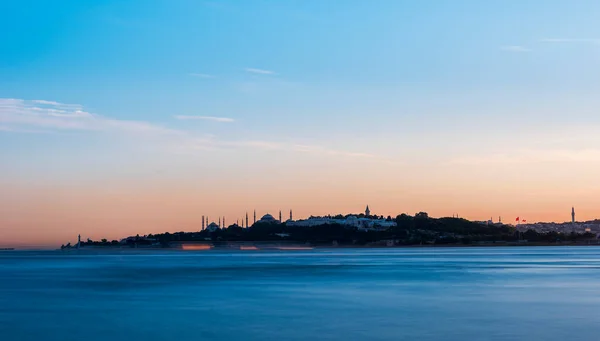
[280, 216]
[246, 219]
[224, 226]
[291, 215]
[254, 217]
[78, 241]
[219, 221]
[367, 211]
[202, 223]
[573, 215]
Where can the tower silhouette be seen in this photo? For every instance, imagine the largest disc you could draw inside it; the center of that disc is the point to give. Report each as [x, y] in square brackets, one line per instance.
[246, 219]
[573, 215]
[254, 222]
[202, 223]
[279, 215]
[291, 214]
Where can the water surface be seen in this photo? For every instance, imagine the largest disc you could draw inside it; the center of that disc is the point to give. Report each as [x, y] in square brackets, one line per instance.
[519, 293]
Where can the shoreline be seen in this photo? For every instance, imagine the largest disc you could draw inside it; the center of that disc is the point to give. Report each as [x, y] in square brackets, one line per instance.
[266, 246]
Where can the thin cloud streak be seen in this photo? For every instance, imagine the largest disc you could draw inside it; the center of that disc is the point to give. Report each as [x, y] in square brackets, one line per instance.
[259, 71]
[26, 116]
[205, 118]
[515, 48]
[15, 113]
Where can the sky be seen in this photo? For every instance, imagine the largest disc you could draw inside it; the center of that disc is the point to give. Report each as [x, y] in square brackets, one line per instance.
[127, 117]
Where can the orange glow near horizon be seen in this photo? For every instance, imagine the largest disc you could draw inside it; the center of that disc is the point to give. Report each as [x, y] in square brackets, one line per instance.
[195, 247]
[250, 248]
[47, 215]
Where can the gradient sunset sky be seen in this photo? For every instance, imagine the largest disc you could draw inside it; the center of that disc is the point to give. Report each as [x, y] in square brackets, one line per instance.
[125, 117]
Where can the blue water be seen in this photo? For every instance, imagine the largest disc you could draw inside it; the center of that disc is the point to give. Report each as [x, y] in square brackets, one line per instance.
[354, 294]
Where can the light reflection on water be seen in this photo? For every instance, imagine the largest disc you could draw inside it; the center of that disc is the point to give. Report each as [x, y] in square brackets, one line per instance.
[517, 293]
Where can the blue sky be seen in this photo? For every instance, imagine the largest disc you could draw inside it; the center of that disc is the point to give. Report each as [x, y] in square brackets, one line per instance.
[499, 95]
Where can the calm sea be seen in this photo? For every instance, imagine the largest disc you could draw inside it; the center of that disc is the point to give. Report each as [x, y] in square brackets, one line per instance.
[353, 294]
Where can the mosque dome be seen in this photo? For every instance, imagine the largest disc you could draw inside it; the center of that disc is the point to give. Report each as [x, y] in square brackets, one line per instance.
[267, 217]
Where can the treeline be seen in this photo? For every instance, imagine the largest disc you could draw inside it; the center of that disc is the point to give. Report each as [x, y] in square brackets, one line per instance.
[410, 230]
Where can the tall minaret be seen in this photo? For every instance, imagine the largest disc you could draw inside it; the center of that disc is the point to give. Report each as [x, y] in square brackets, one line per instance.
[573, 215]
[202, 223]
[224, 226]
[254, 217]
[291, 215]
[78, 241]
[246, 219]
[219, 221]
[280, 216]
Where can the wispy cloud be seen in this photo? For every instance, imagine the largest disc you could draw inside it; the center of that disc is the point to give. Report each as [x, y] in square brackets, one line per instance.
[259, 71]
[515, 48]
[205, 118]
[41, 101]
[19, 114]
[37, 116]
[571, 40]
[202, 75]
[21, 131]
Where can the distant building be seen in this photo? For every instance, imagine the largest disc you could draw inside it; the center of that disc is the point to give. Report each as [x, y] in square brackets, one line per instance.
[269, 219]
[573, 215]
[351, 221]
[212, 227]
